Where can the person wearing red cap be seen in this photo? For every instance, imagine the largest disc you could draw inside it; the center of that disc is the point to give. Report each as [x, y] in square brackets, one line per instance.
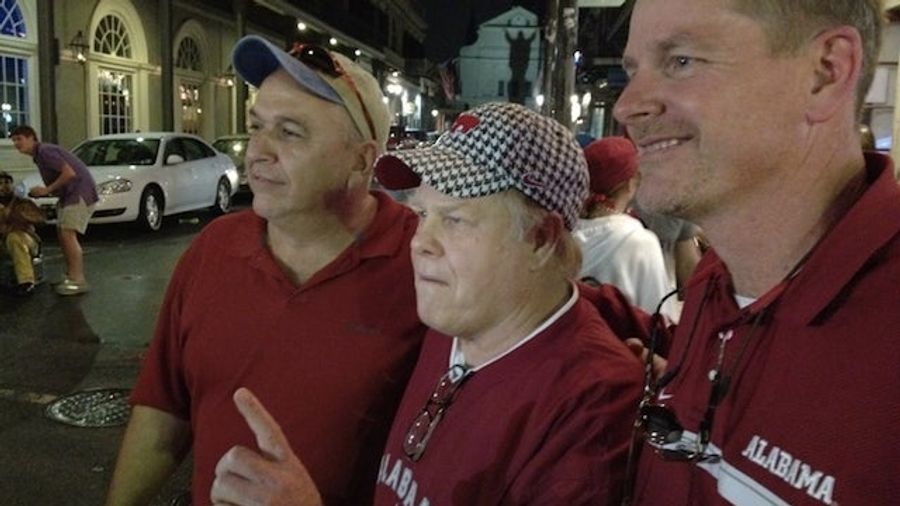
[617, 248]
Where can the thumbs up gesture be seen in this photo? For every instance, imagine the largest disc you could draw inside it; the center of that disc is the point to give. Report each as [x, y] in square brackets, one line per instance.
[271, 476]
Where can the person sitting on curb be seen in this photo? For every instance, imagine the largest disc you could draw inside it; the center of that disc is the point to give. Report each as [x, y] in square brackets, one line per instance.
[18, 218]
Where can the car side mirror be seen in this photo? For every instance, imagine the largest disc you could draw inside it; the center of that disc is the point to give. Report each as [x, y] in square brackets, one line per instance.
[174, 159]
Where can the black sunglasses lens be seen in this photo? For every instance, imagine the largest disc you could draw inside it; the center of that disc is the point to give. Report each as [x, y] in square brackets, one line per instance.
[660, 425]
[317, 58]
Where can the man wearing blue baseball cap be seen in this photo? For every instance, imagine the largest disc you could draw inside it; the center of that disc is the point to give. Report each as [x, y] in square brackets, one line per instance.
[307, 299]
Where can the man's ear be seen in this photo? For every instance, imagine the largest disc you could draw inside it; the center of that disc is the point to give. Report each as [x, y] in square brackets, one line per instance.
[545, 237]
[360, 175]
[367, 152]
[838, 54]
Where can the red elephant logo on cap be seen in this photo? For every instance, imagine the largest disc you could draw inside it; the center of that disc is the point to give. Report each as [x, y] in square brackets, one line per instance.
[464, 123]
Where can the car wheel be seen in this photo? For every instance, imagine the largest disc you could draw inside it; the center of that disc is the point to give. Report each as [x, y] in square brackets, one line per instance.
[150, 215]
[223, 197]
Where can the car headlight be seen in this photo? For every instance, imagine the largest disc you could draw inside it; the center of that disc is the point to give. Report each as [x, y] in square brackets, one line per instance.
[114, 186]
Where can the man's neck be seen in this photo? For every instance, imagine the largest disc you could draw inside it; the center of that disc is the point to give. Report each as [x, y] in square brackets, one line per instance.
[517, 325]
[766, 238]
[305, 244]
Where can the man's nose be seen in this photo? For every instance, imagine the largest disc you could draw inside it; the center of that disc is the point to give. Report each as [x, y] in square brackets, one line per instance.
[259, 147]
[639, 101]
[424, 241]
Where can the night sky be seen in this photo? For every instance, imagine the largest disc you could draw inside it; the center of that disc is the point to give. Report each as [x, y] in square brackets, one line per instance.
[454, 23]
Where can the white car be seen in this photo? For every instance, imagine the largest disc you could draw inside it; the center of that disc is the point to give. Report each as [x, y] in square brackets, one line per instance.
[142, 177]
[235, 146]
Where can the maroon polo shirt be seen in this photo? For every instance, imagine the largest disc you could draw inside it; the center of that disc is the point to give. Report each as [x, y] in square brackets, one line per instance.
[810, 414]
[329, 358]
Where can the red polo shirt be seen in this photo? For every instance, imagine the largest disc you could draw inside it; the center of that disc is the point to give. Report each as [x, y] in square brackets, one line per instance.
[329, 358]
[813, 402]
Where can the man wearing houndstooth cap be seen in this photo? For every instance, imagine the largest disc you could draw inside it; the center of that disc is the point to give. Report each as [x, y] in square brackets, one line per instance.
[522, 393]
[493, 148]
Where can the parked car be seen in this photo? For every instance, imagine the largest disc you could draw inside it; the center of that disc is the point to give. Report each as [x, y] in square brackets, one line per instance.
[235, 146]
[142, 177]
[409, 138]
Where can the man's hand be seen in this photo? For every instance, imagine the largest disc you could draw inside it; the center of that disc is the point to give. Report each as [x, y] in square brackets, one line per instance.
[640, 351]
[38, 191]
[274, 476]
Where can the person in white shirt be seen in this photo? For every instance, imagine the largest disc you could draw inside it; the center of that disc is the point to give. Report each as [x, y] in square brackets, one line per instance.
[616, 247]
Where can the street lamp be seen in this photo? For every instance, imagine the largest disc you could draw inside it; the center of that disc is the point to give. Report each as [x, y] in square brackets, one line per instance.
[79, 47]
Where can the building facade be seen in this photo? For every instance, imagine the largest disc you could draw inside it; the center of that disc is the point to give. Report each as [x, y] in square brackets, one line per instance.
[75, 69]
[503, 63]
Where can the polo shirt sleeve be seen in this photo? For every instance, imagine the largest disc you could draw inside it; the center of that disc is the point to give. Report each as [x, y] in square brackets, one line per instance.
[625, 319]
[50, 159]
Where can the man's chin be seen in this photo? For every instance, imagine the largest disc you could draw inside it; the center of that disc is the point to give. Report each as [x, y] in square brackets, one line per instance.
[657, 199]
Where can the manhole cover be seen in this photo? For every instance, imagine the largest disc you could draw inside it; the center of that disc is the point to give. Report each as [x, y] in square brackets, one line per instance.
[102, 407]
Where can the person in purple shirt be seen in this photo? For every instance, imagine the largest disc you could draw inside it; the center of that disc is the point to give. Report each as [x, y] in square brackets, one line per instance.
[66, 177]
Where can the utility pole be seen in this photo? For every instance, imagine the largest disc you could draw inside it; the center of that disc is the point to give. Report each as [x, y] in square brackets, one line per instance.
[560, 39]
[167, 70]
[240, 87]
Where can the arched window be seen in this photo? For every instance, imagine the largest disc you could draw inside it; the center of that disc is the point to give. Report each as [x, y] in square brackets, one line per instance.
[189, 57]
[191, 108]
[15, 75]
[14, 100]
[11, 21]
[191, 49]
[115, 102]
[111, 37]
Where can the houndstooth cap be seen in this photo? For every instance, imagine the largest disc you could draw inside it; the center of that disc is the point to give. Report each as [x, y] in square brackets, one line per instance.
[493, 148]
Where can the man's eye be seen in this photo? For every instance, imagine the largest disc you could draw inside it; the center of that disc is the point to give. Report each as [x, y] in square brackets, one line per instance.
[680, 63]
[452, 220]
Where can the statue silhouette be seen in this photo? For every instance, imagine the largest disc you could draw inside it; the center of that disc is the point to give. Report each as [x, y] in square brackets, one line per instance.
[519, 57]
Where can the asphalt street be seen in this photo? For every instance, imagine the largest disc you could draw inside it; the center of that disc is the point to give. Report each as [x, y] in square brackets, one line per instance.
[52, 346]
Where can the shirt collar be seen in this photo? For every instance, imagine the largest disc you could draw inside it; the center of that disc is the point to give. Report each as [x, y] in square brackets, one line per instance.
[843, 251]
[383, 237]
[865, 229]
[456, 354]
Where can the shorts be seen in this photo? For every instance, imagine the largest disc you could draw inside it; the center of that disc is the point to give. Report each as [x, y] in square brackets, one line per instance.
[74, 216]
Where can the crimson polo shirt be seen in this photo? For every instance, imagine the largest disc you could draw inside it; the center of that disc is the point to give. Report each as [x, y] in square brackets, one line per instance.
[548, 423]
[50, 158]
[810, 416]
[329, 358]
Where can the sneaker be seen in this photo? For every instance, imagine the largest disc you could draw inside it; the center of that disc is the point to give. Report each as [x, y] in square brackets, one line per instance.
[23, 289]
[69, 287]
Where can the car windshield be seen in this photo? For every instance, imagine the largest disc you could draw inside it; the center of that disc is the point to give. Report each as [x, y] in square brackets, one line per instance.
[118, 152]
